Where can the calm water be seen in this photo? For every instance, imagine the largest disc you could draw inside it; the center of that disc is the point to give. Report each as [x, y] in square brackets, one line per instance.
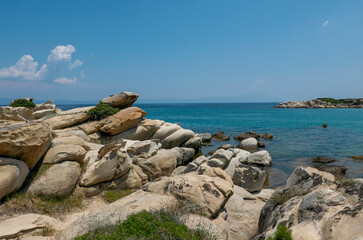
[298, 136]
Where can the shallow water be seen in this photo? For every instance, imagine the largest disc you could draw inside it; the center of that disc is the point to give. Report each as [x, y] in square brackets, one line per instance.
[298, 136]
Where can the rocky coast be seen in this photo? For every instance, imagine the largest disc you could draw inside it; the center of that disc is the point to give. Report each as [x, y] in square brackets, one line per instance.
[60, 169]
[324, 103]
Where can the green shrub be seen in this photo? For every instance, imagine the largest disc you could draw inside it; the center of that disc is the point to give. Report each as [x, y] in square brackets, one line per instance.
[113, 195]
[101, 111]
[144, 225]
[22, 103]
[282, 233]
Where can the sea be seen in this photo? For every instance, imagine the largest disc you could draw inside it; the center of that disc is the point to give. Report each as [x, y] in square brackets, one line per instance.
[298, 135]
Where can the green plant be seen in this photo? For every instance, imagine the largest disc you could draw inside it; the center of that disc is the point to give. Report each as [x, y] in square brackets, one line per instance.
[101, 111]
[282, 233]
[22, 103]
[345, 183]
[47, 231]
[113, 195]
[145, 225]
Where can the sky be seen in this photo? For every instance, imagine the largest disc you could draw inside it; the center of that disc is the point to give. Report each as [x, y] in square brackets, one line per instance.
[181, 50]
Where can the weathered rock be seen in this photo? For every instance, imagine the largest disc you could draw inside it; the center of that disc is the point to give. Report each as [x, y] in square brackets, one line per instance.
[147, 148]
[141, 132]
[162, 164]
[72, 132]
[133, 179]
[90, 127]
[165, 130]
[12, 175]
[44, 113]
[177, 138]
[15, 114]
[206, 170]
[260, 144]
[68, 120]
[249, 144]
[323, 160]
[74, 140]
[219, 136]
[241, 155]
[250, 177]
[260, 158]
[226, 146]
[14, 227]
[26, 142]
[45, 106]
[357, 157]
[339, 172]
[121, 100]
[220, 158]
[193, 166]
[59, 180]
[194, 142]
[217, 227]
[65, 152]
[124, 163]
[183, 155]
[75, 111]
[206, 137]
[122, 120]
[311, 176]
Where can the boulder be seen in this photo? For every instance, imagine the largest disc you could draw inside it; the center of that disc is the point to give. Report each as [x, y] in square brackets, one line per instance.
[165, 130]
[75, 111]
[249, 144]
[58, 181]
[141, 132]
[122, 120]
[72, 132]
[45, 106]
[219, 136]
[124, 163]
[44, 113]
[162, 164]
[194, 142]
[183, 155]
[250, 177]
[177, 138]
[260, 158]
[90, 127]
[147, 148]
[239, 157]
[26, 142]
[309, 176]
[12, 175]
[74, 140]
[15, 114]
[121, 100]
[14, 227]
[133, 179]
[226, 146]
[206, 170]
[194, 165]
[67, 120]
[66, 152]
[206, 137]
[220, 158]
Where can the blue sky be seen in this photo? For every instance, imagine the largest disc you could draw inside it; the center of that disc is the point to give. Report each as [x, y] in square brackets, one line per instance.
[85, 50]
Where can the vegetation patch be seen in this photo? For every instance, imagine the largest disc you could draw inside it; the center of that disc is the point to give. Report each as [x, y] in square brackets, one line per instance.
[113, 195]
[345, 183]
[22, 103]
[282, 233]
[345, 101]
[144, 225]
[101, 111]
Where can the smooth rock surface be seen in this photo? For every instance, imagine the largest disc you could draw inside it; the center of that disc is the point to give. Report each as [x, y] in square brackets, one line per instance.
[177, 138]
[121, 100]
[66, 152]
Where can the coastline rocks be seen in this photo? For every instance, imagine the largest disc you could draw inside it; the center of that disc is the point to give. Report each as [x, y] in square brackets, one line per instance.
[145, 148]
[15, 114]
[260, 158]
[141, 132]
[177, 138]
[121, 100]
[26, 142]
[219, 136]
[165, 130]
[250, 134]
[72, 132]
[309, 176]
[183, 155]
[249, 176]
[44, 113]
[67, 120]
[74, 140]
[206, 137]
[122, 120]
[317, 103]
[220, 158]
[66, 152]
[58, 181]
[162, 164]
[194, 142]
[133, 179]
[12, 175]
[249, 144]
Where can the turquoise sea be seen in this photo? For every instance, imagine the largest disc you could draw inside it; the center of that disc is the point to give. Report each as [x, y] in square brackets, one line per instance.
[298, 135]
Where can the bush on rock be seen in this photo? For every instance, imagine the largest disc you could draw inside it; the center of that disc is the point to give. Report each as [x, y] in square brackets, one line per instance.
[101, 111]
[282, 233]
[22, 103]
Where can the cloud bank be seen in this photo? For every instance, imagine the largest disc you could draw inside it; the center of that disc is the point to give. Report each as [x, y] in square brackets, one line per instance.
[64, 80]
[25, 68]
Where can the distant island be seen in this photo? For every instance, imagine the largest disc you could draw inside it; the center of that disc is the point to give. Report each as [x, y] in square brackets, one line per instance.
[324, 103]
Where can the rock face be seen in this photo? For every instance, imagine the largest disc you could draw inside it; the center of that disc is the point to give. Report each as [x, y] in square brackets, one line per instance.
[177, 138]
[69, 120]
[183, 155]
[15, 114]
[59, 180]
[67, 152]
[194, 142]
[141, 132]
[26, 142]
[122, 121]
[12, 175]
[42, 113]
[248, 144]
[249, 176]
[74, 140]
[165, 130]
[121, 100]
[260, 158]
[162, 164]
[220, 158]
[317, 103]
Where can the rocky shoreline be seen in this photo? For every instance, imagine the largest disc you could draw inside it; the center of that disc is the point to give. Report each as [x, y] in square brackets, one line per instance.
[47, 154]
[323, 103]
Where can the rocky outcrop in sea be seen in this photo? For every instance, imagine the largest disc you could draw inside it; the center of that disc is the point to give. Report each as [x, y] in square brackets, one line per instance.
[323, 103]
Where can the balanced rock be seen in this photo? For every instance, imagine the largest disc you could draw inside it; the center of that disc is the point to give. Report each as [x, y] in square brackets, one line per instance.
[58, 181]
[121, 100]
[122, 120]
[12, 175]
[26, 142]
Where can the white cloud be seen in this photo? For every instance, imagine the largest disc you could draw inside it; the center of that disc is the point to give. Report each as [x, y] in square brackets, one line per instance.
[75, 64]
[325, 23]
[82, 74]
[60, 53]
[64, 80]
[25, 68]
